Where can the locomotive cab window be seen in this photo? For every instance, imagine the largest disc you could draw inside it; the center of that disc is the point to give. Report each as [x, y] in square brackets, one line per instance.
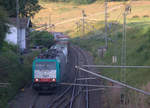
[45, 70]
[45, 65]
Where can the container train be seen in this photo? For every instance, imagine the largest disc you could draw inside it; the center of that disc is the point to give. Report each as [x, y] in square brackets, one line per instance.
[50, 67]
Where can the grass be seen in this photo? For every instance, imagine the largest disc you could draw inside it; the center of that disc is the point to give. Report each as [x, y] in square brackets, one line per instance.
[138, 42]
[65, 11]
[62, 10]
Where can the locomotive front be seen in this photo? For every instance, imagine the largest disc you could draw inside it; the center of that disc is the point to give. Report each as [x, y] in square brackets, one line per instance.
[45, 74]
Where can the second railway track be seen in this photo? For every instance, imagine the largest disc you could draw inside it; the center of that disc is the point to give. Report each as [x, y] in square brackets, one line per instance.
[70, 97]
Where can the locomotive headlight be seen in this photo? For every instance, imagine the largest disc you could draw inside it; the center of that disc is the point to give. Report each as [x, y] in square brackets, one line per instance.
[36, 80]
[53, 79]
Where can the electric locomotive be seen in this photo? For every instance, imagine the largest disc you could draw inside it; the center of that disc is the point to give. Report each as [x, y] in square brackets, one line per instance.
[49, 69]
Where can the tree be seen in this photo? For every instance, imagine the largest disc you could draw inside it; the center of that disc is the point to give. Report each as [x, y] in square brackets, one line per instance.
[3, 26]
[84, 1]
[41, 38]
[28, 8]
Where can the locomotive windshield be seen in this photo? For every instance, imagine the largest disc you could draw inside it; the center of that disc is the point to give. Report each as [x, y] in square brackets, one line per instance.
[45, 66]
[45, 70]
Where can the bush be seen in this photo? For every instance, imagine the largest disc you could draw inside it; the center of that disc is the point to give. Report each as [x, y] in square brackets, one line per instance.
[13, 72]
[146, 16]
[3, 26]
[135, 16]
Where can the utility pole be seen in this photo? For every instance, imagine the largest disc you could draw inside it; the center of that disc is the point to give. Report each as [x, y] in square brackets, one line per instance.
[106, 41]
[127, 10]
[123, 59]
[124, 35]
[83, 22]
[50, 25]
[18, 26]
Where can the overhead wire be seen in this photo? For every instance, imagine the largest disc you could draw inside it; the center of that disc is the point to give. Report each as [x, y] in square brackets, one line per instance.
[91, 15]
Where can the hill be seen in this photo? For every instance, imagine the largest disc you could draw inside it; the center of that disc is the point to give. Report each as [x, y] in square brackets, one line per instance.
[138, 42]
[65, 15]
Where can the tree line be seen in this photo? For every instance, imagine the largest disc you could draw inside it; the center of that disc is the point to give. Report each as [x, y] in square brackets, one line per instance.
[78, 1]
[75, 1]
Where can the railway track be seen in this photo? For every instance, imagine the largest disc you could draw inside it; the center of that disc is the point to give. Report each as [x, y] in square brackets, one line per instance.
[85, 75]
[32, 105]
[67, 99]
[70, 96]
[72, 93]
[92, 94]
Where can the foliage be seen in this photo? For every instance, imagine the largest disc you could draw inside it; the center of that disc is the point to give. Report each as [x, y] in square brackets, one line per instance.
[27, 7]
[19, 77]
[138, 49]
[75, 1]
[6, 47]
[144, 48]
[84, 1]
[138, 42]
[3, 26]
[42, 38]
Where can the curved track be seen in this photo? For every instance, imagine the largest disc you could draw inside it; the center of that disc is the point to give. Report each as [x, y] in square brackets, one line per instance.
[70, 96]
